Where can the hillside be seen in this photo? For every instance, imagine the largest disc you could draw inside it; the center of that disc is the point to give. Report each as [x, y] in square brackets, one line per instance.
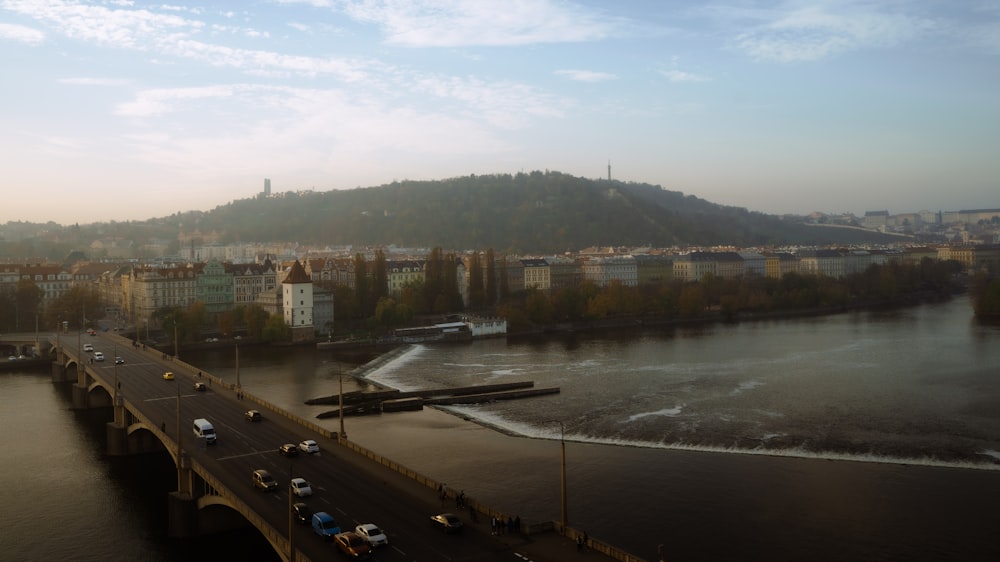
[539, 212]
[536, 212]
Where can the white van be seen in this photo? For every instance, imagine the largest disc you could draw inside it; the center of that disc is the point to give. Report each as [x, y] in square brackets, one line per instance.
[202, 428]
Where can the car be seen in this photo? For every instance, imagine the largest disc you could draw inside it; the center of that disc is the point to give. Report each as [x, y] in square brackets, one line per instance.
[353, 545]
[200, 386]
[309, 446]
[119, 361]
[98, 356]
[447, 522]
[253, 415]
[325, 525]
[12, 358]
[373, 534]
[288, 450]
[300, 487]
[263, 480]
[168, 376]
[302, 512]
[88, 347]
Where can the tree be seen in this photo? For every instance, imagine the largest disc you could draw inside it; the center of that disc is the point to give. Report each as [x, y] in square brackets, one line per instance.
[275, 329]
[477, 295]
[256, 319]
[380, 277]
[692, 301]
[362, 285]
[73, 306]
[491, 279]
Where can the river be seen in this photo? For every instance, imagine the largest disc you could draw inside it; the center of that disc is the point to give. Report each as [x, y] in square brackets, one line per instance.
[858, 436]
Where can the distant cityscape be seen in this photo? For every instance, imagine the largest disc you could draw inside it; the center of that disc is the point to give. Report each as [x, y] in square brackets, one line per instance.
[967, 226]
[224, 276]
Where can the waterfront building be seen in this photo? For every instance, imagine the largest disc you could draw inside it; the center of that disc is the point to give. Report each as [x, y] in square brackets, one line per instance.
[297, 303]
[214, 287]
[536, 274]
[693, 266]
[602, 271]
[402, 273]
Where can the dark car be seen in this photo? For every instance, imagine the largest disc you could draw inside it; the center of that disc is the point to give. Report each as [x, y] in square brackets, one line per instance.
[302, 512]
[253, 415]
[447, 522]
[353, 545]
[263, 480]
[289, 450]
[200, 386]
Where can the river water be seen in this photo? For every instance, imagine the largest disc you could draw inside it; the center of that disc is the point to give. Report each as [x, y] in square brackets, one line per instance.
[858, 436]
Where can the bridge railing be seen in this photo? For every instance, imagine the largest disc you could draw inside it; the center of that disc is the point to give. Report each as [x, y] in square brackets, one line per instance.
[486, 511]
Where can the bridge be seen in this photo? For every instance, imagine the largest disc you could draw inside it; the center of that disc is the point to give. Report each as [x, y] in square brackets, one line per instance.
[214, 490]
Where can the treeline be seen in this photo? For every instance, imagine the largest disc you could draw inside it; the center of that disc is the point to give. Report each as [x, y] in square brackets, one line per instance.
[986, 296]
[729, 298]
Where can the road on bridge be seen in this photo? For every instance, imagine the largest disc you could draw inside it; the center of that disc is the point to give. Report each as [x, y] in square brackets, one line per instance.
[353, 489]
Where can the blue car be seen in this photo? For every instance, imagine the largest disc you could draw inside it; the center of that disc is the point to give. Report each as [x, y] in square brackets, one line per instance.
[325, 525]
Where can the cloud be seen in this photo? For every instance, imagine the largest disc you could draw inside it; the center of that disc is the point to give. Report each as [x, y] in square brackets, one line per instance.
[21, 34]
[454, 23]
[681, 76]
[111, 82]
[586, 75]
[815, 32]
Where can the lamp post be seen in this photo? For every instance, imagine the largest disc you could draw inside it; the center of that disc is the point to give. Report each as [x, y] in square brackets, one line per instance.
[117, 386]
[175, 341]
[237, 370]
[180, 462]
[562, 473]
[343, 434]
[291, 517]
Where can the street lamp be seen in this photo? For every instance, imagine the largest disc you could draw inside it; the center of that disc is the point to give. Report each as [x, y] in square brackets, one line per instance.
[175, 340]
[343, 434]
[291, 517]
[562, 473]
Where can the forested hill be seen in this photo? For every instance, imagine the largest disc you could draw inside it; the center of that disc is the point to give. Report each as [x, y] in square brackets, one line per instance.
[536, 212]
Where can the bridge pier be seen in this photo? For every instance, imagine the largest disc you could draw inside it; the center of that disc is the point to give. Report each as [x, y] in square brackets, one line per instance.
[182, 515]
[117, 435]
[81, 399]
[58, 372]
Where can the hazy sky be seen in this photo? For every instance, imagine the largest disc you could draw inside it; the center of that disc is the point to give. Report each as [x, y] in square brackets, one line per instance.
[122, 110]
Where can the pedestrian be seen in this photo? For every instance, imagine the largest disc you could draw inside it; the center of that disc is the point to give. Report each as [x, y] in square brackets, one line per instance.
[517, 523]
[586, 540]
[510, 525]
[163, 427]
[579, 543]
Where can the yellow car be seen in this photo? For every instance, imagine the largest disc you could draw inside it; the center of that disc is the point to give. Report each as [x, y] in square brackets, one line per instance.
[168, 376]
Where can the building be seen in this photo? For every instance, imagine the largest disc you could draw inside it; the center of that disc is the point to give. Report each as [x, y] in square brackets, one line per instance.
[215, 288]
[403, 273]
[694, 266]
[297, 303]
[602, 271]
[536, 274]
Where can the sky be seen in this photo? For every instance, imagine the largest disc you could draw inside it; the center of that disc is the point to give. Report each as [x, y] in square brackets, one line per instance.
[121, 110]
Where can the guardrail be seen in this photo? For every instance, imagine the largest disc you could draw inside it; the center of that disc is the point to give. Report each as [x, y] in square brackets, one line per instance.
[476, 508]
